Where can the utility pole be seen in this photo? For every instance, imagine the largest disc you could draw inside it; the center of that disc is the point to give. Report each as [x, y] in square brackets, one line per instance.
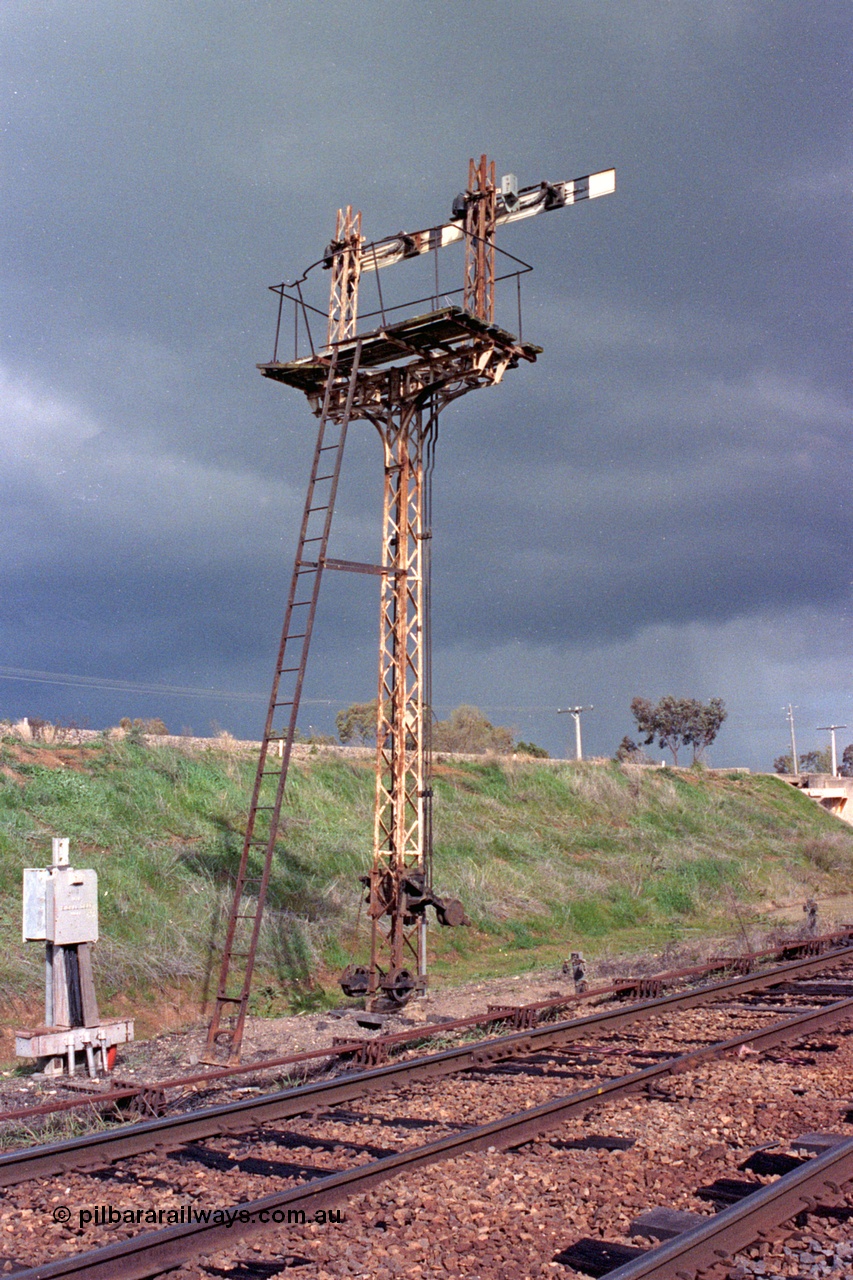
[795, 766]
[575, 713]
[831, 728]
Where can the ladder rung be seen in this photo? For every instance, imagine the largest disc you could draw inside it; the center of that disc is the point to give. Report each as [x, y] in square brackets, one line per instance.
[317, 479]
[295, 635]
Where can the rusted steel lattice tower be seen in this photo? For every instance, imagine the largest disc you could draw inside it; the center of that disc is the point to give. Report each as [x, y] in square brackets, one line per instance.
[480, 214]
[397, 374]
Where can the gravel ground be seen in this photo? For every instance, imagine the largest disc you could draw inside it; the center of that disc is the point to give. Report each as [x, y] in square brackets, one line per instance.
[495, 1214]
[178, 1053]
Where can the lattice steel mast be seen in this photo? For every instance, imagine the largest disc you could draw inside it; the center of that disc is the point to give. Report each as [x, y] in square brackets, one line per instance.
[399, 376]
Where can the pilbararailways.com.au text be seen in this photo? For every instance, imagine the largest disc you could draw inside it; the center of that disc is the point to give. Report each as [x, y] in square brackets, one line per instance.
[187, 1215]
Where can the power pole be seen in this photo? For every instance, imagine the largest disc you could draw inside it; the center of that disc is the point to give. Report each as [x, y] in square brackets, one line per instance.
[575, 713]
[831, 728]
[795, 766]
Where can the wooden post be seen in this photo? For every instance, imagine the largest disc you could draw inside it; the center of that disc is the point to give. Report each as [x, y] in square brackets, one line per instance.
[88, 999]
[48, 984]
[61, 1011]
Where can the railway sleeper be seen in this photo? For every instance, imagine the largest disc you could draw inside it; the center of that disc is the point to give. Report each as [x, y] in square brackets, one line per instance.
[597, 1257]
[520, 1017]
[361, 1053]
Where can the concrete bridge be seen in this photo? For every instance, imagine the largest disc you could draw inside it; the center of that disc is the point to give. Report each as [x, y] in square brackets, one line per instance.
[835, 794]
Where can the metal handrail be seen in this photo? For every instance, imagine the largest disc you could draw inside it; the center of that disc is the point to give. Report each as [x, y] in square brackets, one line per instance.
[285, 289]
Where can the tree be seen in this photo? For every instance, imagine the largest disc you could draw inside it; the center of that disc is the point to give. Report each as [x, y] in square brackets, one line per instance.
[846, 769]
[816, 761]
[467, 731]
[357, 723]
[667, 722]
[679, 722]
[810, 762]
[707, 721]
[628, 752]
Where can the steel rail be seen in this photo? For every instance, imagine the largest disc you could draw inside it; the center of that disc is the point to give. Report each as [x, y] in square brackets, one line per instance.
[166, 1133]
[358, 1046]
[743, 1223]
[153, 1252]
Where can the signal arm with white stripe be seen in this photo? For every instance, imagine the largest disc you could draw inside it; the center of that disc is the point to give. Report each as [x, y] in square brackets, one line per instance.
[512, 205]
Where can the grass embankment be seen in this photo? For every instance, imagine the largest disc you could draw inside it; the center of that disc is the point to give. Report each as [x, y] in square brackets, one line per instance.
[545, 859]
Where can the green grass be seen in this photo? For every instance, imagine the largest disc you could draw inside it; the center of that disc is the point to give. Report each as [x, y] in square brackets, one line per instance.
[544, 858]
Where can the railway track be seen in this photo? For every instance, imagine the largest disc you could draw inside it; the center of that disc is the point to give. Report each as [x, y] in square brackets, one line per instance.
[346, 1137]
[819, 1181]
[168, 1132]
[152, 1096]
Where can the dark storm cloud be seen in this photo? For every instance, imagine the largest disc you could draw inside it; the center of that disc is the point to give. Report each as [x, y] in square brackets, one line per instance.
[675, 466]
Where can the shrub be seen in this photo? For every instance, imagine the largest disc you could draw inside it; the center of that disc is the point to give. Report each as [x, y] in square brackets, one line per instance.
[468, 732]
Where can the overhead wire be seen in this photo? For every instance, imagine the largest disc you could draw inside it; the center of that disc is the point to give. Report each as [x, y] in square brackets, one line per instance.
[107, 684]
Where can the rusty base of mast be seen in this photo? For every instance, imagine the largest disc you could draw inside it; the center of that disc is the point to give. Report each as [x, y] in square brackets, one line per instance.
[395, 989]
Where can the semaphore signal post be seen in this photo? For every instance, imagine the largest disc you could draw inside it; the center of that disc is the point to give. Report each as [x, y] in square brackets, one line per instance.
[398, 372]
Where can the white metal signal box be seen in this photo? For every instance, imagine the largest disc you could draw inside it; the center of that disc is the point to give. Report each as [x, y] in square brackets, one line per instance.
[60, 905]
[35, 913]
[71, 906]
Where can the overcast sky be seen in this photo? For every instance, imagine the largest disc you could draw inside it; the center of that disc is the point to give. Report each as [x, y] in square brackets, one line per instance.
[660, 505]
